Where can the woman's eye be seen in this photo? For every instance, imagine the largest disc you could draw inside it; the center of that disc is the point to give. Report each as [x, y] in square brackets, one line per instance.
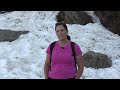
[57, 30]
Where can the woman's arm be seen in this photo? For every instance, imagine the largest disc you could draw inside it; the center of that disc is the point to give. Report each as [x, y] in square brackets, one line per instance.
[80, 64]
[47, 66]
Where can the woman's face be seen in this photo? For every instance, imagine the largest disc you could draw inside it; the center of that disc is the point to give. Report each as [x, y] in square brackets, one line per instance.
[61, 32]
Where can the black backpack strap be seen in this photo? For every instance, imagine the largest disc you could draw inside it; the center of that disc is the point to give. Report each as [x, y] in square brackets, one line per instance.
[73, 52]
[51, 49]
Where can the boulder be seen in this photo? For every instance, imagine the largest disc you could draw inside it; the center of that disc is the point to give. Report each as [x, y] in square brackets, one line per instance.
[110, 20]
[74, 17]
[8, 35]
[96, 60]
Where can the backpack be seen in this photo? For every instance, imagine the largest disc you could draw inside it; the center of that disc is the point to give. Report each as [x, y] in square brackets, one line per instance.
[72, 47]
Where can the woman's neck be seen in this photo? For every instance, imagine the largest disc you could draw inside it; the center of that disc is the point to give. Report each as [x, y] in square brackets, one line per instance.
[63, 42]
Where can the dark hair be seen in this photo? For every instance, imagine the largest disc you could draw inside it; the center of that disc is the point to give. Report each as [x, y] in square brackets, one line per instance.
[61, 23]
[68, 37]
[64, 25]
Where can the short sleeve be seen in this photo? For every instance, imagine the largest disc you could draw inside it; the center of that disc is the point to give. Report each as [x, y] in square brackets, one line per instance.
[48, 50]
[77, 50]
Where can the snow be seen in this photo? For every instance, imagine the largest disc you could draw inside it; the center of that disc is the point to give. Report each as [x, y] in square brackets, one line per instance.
[24, 58]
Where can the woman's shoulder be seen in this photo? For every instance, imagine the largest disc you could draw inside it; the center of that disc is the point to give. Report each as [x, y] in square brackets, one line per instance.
[77, 48]
[53, 42]
[76, 44]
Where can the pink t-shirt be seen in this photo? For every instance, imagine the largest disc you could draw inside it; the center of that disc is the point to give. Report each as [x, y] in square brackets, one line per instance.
[62, 63]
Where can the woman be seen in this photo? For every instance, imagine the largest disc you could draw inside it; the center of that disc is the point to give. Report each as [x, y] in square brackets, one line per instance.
[62, 65]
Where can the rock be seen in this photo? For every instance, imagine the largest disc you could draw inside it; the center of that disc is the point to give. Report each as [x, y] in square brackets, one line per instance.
[74, 17]
[96, 60]
[8, 35]
[110, 20]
